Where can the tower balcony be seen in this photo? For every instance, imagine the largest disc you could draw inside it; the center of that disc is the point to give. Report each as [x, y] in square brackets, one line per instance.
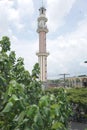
[41, 29]
[42, 17]
[42, 54]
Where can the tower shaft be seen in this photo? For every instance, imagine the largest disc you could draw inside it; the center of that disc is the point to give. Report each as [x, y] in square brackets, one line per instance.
[42, 41]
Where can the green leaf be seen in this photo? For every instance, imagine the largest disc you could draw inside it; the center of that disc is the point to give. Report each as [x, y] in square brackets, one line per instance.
[13, 98]
[2, 81]
[35, 127]
[8, 107]
[54, 106]
[10, 90]
[44, 101]
[38, 119]
[25, 120]
[54, 110]
[27, 128]
[20, 118]
[57, 125]
[32, 110]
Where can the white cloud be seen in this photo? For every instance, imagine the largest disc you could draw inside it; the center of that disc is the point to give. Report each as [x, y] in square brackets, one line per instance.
[69, 51]
[13, 13]
[4, 16]
[26, 7]
[56, 11]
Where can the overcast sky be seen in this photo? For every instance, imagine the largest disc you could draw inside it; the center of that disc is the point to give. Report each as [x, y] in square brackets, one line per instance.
[66, 40]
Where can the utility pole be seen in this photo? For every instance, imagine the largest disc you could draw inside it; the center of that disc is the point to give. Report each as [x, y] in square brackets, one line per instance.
[64, 78]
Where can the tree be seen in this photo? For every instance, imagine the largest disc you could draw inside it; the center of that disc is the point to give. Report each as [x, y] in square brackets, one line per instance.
[23, 103]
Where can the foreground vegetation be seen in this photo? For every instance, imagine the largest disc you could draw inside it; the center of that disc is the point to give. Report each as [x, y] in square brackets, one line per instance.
[78, 99]
[23, 103]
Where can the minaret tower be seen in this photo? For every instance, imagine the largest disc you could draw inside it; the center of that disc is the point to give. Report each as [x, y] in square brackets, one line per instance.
[42, 54]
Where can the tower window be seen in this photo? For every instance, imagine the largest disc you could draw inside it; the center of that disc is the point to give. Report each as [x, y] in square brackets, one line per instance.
[42, 11]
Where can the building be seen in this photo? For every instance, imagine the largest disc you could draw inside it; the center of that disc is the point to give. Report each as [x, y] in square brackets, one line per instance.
[42, 54]
[78, 81]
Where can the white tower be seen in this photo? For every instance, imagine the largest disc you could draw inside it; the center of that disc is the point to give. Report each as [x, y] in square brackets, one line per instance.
[42, 54]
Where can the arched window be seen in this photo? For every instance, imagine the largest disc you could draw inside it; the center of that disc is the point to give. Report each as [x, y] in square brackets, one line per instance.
[84, 82]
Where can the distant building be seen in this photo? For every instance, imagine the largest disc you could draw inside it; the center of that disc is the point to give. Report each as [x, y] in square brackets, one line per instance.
[79, 81]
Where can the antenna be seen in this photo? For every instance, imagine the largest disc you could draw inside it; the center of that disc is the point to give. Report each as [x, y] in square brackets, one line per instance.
[42, 3]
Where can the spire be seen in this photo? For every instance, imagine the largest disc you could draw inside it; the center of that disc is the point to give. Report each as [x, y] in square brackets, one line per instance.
[42, 3]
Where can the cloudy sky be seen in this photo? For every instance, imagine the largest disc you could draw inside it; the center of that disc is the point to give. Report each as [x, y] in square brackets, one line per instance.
[66, 40]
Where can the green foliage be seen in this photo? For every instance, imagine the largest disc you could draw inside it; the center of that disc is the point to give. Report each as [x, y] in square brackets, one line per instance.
[23, 103]
[5, 44]
[78, 95]
[78, 98]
